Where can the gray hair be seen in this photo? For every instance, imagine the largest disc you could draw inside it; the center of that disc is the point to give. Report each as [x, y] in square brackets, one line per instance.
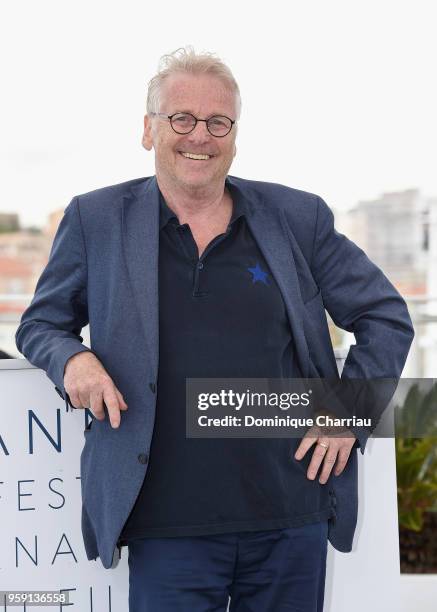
[186, 60]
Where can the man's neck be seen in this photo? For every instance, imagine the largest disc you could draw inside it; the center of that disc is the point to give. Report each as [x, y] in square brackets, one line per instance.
[196, 205]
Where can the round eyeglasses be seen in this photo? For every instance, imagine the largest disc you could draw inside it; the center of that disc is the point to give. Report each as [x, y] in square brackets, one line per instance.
[184, 123]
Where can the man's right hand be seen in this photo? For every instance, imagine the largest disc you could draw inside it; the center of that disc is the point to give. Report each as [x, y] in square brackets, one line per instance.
[89, 385]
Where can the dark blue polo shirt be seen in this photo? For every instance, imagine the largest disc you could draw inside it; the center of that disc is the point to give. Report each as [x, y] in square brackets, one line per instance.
[219, 316]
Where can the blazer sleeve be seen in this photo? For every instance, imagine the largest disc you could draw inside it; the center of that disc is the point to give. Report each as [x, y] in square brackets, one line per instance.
[48, 333]
[360, 299]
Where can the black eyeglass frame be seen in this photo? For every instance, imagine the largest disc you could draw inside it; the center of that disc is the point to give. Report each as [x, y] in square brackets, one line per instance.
[170, 117]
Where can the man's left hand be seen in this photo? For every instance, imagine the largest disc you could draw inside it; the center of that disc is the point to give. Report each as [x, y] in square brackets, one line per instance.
[329, 449]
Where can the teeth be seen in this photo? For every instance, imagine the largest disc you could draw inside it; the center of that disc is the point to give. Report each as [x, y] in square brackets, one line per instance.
[193, 156]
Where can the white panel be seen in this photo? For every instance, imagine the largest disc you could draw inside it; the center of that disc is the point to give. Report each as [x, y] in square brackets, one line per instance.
[365, 579]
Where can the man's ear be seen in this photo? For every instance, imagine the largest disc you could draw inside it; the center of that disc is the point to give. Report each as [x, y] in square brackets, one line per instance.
[147, 134]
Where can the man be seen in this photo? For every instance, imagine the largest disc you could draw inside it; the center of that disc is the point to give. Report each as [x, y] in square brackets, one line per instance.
[243, 271]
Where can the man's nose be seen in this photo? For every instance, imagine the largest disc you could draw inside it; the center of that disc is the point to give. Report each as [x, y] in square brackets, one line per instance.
[200, 132]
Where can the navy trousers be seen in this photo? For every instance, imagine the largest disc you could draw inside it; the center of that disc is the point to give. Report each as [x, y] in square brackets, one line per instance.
[280, 570]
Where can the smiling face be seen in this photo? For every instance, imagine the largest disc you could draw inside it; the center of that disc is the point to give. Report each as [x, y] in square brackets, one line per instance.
[203, 96]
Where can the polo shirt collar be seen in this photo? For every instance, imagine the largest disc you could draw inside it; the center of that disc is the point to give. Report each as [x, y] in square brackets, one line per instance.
[239, 207]
[165, 212]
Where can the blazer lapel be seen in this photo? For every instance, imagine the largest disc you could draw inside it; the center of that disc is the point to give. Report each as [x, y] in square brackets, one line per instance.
[267, 226]
[140, 231]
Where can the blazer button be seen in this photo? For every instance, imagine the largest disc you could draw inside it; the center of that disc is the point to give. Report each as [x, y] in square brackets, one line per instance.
[152, 387]
[143, 458]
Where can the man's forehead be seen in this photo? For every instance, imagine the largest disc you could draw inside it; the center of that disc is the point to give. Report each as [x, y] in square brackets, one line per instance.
[187, 92]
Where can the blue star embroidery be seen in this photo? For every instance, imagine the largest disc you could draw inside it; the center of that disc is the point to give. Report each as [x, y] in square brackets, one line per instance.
[258, 274]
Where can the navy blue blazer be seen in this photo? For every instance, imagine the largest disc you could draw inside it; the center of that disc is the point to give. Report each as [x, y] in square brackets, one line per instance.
[103, 270]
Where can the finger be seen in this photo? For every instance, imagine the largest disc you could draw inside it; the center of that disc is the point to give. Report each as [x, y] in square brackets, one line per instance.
[342, 460]
[84, 399]
[111, 400]
[96, 407]
[328, 464]
[316, 460]
[75, 400]
[305, 444]
[121, 401]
